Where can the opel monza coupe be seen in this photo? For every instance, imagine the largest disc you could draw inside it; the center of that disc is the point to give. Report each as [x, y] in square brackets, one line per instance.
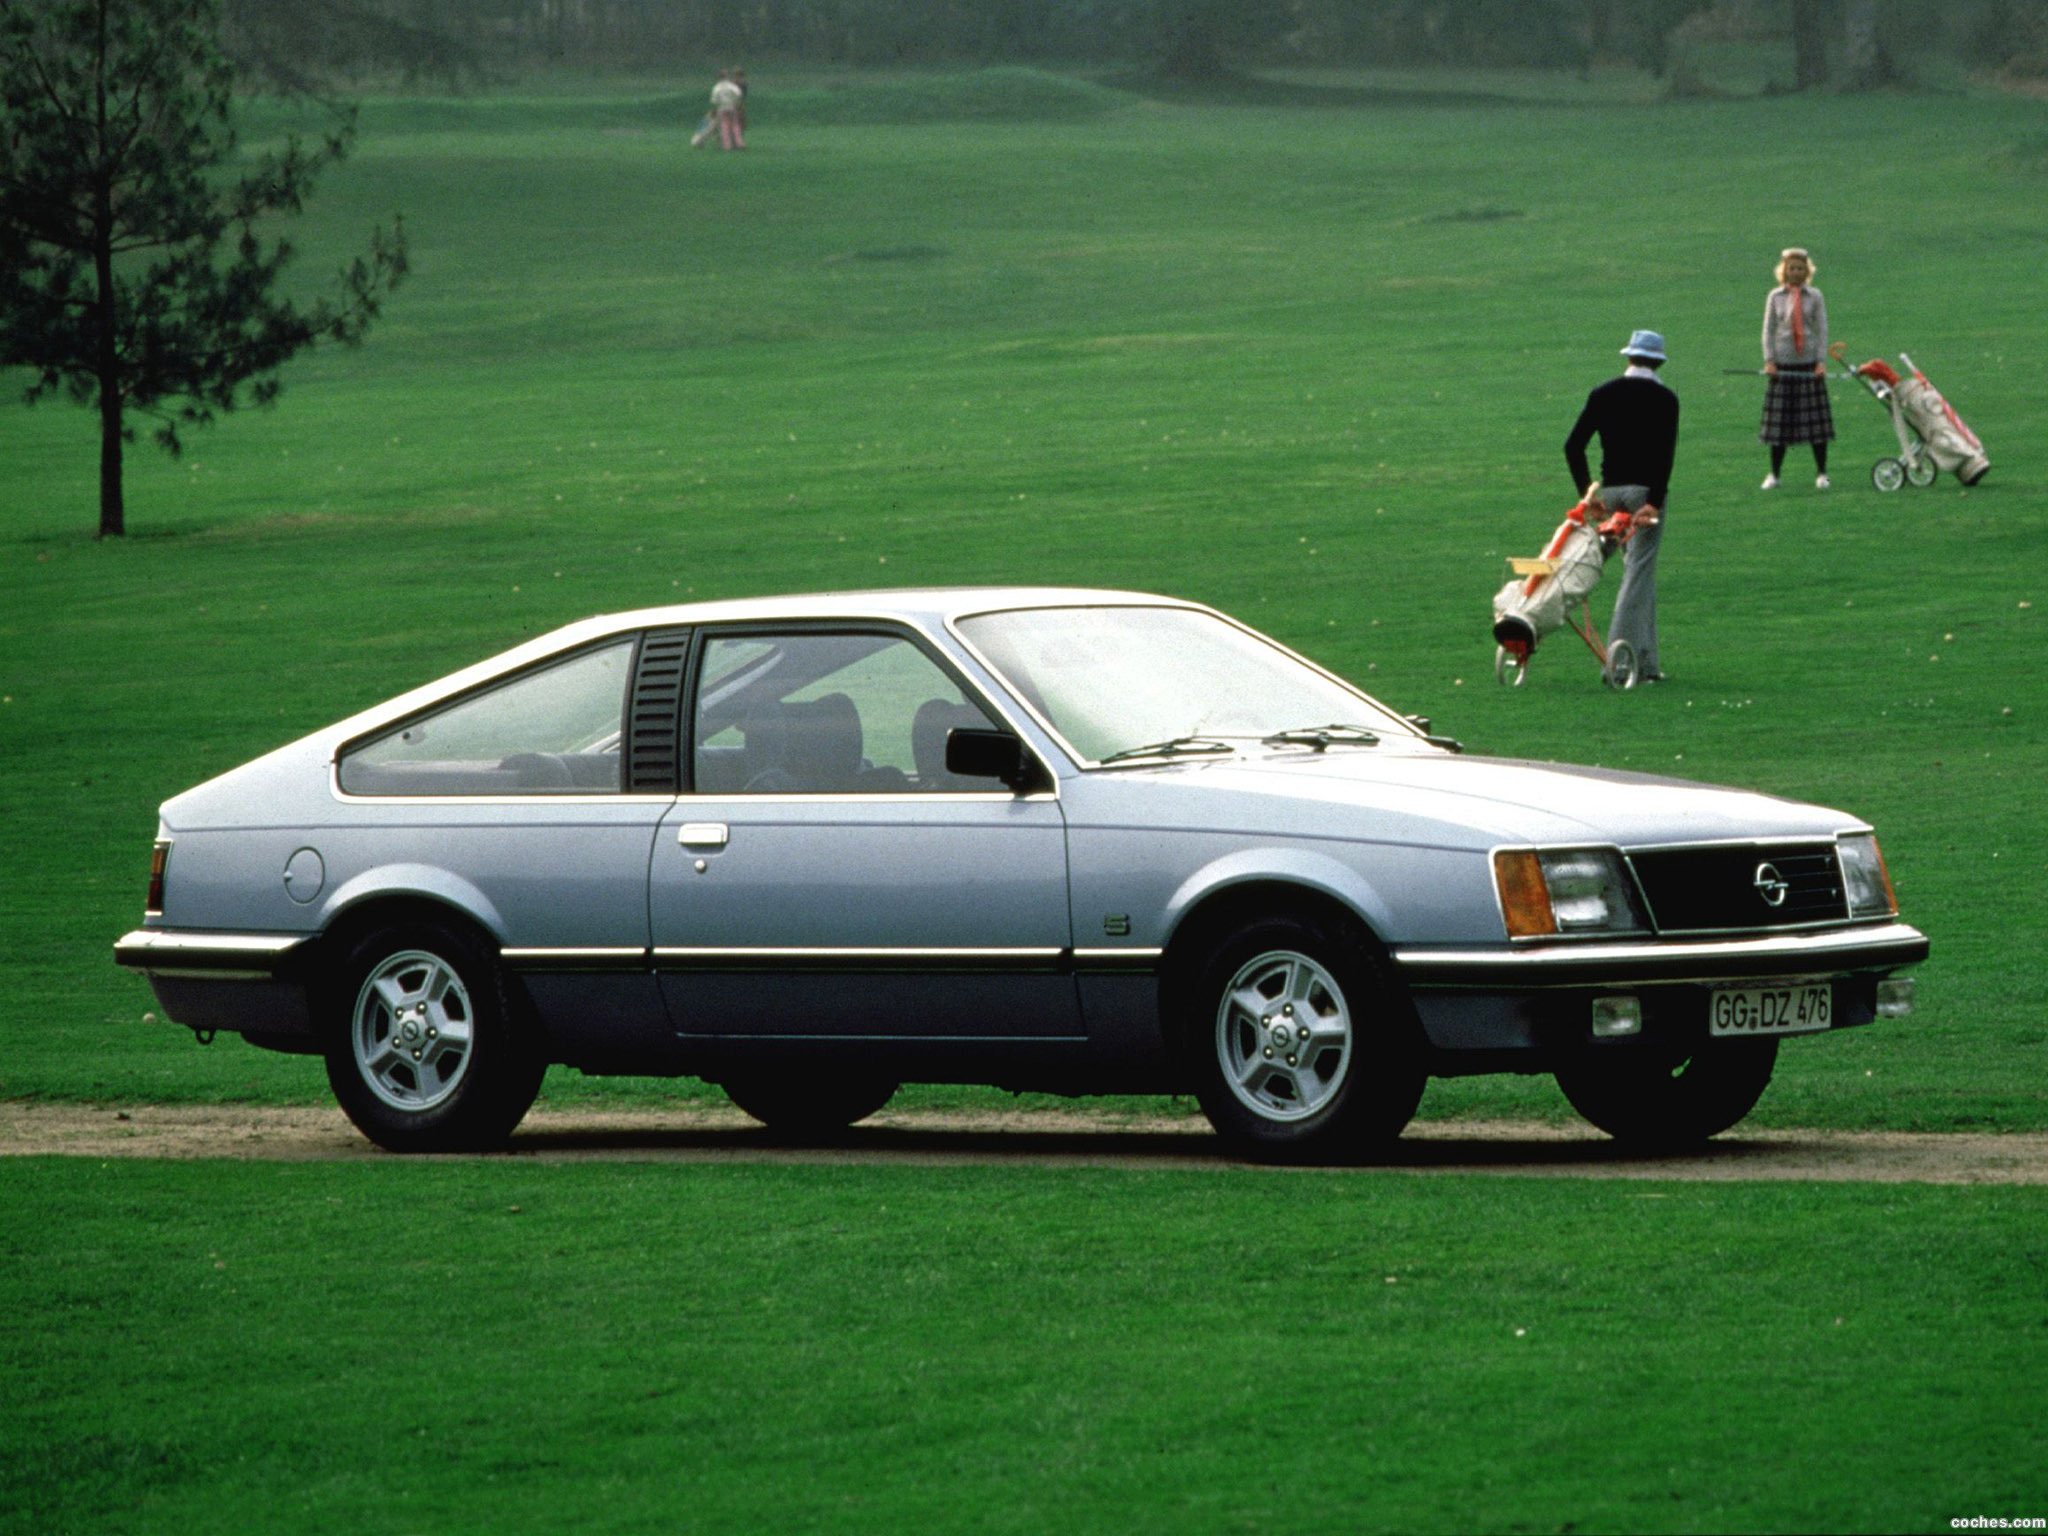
[812, 848]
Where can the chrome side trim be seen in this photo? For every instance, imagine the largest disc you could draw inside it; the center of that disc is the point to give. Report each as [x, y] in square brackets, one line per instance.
[824, 957]
[1890, 946]
[847, 952]
[1116, 959]
[563, 958]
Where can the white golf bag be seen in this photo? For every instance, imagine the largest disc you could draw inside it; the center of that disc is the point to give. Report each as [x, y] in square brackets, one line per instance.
[1954, 446]
[1534, 603]
[1932, 437]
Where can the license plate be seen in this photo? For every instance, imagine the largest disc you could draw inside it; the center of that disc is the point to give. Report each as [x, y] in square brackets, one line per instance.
[1782, 1010]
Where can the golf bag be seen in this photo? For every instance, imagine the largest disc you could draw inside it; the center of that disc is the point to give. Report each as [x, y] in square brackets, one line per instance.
[1534, 605]
[1947, 438]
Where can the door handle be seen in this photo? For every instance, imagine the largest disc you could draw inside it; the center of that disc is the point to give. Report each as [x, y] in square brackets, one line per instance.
[702, 834]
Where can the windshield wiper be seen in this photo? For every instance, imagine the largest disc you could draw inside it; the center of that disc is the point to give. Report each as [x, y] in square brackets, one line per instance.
[1180, 746]
[1321, 738]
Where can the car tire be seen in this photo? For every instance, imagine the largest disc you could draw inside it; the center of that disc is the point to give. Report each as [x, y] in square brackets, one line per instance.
[1301, 1049]
[1649, 1101]
[424, 1052]
[807, 1108]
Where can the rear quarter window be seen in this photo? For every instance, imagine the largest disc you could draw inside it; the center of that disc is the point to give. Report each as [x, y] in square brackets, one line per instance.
[552, 731]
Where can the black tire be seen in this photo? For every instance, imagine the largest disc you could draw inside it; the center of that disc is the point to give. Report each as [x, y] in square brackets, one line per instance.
[808, 1107]
[1326, 1068]
[423, 1051]
[1648, 1100]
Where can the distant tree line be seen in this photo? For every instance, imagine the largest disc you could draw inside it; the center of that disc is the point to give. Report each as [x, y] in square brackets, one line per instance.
[1841, 42]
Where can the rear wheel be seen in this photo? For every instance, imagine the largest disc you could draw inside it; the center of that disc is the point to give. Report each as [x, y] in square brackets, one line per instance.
[1509, 668]
[1302, 1050]
[1922, 471]
[1649, 1100]
[803, 1107]
[1887, 474]
[423, 1054]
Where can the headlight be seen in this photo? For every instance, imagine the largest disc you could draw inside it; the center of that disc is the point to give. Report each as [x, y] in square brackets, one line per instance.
[1573, 890]
[1864, 879]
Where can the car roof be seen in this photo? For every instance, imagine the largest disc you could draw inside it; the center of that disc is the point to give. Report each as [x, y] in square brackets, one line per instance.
[915, 603]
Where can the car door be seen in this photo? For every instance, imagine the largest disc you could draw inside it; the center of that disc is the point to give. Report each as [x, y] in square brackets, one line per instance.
[826, 877]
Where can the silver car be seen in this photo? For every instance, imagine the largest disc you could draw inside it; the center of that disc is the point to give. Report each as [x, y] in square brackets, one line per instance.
[811, 848]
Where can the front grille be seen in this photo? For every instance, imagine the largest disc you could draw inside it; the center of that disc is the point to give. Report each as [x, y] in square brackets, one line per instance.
[1706, 890]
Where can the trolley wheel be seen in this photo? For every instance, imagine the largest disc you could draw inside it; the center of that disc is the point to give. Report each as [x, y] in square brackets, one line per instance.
[1887, 474]
[1506, 669]
[1621, 670]
[1922, 471]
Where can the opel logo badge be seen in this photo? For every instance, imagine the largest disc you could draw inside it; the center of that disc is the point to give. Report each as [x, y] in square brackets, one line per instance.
[1771, 885]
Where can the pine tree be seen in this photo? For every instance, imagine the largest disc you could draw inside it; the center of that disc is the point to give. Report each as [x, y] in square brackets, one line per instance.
[138, 273]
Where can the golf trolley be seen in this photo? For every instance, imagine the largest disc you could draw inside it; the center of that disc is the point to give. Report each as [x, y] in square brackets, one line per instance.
[1932, 437]
[1550, 593]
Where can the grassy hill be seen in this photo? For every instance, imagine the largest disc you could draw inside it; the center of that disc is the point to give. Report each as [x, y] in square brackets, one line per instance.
[1310, 360]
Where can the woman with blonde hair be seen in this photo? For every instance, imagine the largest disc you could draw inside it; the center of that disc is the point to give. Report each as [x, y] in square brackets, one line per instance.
[1795, 367]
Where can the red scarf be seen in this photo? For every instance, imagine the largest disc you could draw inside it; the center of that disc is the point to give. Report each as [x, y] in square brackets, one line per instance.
[1798, 317]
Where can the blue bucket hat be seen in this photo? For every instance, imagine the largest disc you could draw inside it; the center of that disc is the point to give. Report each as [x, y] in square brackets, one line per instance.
[1647, 345]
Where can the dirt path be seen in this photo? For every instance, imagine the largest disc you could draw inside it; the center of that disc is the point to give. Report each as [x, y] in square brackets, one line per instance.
[694, 1134]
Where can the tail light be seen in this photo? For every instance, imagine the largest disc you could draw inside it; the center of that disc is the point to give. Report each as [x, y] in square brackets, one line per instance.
[160, 856]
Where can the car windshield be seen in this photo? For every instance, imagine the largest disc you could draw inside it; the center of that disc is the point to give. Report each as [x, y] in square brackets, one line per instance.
[1111, 680]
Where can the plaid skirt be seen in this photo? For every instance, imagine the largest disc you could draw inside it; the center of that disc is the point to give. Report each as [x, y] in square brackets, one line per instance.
[1796, 409]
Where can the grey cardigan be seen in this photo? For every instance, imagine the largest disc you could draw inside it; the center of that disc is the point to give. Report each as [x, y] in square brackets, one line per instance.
[1813, 315]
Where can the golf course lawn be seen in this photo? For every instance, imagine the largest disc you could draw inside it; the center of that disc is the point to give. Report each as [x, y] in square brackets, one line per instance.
[1309, 362]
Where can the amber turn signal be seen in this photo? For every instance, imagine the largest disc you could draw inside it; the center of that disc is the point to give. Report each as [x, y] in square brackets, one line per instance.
[1524, 894]
[153, 904]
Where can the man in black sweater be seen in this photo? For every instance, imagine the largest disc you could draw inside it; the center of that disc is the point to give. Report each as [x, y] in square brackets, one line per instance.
[1636, 419]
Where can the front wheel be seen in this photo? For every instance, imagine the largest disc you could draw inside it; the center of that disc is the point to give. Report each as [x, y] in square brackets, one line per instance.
[1922, 471]
[1302, 1050]
[1622, 669]
[1887, 474]
[423, 1054]
[1647, 1100]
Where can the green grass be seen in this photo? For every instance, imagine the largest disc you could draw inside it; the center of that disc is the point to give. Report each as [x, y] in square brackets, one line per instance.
[1308, 356]
[492, 1346]
[1311, 363]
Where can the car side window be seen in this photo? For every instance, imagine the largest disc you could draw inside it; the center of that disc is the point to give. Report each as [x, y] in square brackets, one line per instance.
[841, 714]
[552, 731]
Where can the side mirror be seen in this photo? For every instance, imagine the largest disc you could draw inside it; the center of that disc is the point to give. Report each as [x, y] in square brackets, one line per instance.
[973, 753]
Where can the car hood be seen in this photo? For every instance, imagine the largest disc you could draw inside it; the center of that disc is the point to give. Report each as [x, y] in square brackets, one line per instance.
[1448, 800]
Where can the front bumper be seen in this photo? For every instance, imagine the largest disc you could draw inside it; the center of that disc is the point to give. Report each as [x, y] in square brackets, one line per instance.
[1487, 1010]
